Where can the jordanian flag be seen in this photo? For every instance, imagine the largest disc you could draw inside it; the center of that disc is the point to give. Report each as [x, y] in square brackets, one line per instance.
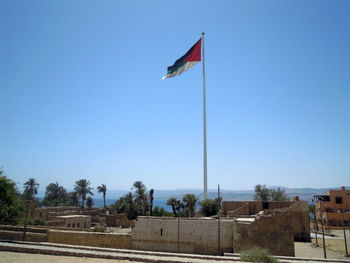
[191, 58]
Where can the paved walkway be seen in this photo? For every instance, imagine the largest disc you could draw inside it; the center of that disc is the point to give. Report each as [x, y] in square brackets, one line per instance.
[122, 255]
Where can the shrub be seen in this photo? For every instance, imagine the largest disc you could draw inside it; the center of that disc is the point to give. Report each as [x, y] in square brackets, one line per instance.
[99, 229]
[257, 255]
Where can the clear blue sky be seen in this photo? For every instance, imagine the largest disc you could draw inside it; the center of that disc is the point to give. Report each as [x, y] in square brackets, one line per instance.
[82, 96]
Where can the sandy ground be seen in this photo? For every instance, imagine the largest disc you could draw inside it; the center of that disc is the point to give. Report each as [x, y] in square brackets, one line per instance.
[12, 257]
[307, 250]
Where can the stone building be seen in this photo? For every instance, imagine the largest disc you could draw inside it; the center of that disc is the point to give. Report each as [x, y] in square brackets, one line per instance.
[248, 225]
[334, 208]
[75, 221]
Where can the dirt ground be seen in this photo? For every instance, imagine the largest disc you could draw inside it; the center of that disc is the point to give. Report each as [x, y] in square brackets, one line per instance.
[12, 257]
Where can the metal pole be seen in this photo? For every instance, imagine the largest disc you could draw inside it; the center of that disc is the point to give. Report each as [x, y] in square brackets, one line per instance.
[25, 221]
[316, 234]
[315, 223]
[324, 242]
[178, 234]
[219, 210]
[204, 126]
[346, 245]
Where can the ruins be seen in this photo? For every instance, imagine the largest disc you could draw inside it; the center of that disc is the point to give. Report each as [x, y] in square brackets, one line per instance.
[241, 225]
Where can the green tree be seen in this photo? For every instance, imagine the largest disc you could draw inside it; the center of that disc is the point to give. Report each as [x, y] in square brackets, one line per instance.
[278, 194]
[30, 189]
[11, 208]
[82, 187]
[55, 195]
[89, 202]
[190, 201]
[141, 199]
[210, 207]
[72, 199]
[103, 189]
[262, 193]
[151, 198]
[160, 211]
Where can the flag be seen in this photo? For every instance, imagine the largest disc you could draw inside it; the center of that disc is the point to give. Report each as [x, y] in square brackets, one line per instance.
[191, 58]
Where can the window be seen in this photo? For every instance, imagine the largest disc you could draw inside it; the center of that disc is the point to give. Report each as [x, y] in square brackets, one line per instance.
[84, 224]
[78, 224]
[265, 205]
[68, 225]
[338, 200]
[73, 225]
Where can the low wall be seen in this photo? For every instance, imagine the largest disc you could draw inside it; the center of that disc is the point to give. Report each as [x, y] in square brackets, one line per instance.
[18, 236]
[188, 235]
[20, 228]
[90, 239]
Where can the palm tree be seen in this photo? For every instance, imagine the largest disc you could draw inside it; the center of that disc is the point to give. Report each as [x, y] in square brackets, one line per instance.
[103, 189]
[190, 201]
[82, 187]
[172, 201]
[30, 189]
[141, 197]
[151, 197]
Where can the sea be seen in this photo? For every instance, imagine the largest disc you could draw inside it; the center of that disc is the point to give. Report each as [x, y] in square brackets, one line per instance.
[98, 202]
[160, 203]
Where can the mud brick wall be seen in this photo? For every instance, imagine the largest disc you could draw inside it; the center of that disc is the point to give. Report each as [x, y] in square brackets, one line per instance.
[198, 236]
[90, 239]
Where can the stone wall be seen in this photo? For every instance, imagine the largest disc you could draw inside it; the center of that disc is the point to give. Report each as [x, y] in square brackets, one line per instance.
[18, 236]
[296, 210]
[298, 214]
[253, 207]
[90, 239]
[272, 232]
[241, 210]
[36, 229]
[185, 235]
[119, 220]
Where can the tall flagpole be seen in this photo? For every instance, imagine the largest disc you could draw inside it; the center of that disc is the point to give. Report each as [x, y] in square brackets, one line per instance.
[204, 127]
